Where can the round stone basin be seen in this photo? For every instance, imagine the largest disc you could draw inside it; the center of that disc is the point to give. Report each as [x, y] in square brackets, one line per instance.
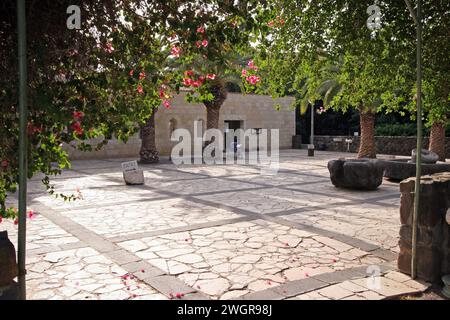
[359, 174]
[401, 169]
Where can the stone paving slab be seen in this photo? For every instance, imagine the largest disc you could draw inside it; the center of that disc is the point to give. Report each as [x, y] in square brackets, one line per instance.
[219, 232]
[270, 200]
[328, 188]
[80, 274]
[245, 257]
[132, 217]
[376, 224]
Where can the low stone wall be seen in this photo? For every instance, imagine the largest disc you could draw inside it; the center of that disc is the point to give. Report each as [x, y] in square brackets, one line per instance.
[114, 149]
[433, 233]
[401, 146]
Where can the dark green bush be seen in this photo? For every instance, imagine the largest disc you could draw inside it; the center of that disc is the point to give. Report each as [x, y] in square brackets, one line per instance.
[402, 129]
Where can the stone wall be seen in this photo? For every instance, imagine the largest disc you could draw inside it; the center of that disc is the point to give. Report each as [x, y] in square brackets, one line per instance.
[253, 111]
[433, 236]
[385, 145]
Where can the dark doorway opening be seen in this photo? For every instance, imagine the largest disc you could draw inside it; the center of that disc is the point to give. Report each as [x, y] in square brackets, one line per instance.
[231, 125]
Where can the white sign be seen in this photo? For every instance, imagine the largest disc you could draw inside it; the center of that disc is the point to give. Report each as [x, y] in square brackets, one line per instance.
[130, 166]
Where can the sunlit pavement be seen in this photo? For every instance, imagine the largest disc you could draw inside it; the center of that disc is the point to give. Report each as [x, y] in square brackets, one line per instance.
[213, 232]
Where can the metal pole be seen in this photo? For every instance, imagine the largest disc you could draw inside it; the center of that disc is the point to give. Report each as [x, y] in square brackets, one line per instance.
[22, 47]
[312, 125]
[419, 141]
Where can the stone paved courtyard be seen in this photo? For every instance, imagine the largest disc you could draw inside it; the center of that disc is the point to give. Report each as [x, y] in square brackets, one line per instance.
[213, 232]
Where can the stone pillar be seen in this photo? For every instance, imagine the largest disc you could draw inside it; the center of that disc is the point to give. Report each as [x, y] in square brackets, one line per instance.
[433, 234]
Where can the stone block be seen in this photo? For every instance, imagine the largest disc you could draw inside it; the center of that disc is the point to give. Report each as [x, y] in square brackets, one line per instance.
[133, 177]
[433, 239]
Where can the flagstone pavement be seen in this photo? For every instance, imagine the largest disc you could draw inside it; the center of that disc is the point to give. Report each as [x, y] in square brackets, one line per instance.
[213, 232]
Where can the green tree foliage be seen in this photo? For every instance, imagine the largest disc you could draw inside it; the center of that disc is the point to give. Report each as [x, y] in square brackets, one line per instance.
[103, 80]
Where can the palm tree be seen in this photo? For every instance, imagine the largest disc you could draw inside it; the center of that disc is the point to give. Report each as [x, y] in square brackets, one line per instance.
[226, 71]
[437, 139]
[326, 89]
[148, 153]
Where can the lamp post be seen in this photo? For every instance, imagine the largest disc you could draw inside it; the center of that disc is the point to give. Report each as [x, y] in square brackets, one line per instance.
[311, 138]
[418, 21]
[22, 56]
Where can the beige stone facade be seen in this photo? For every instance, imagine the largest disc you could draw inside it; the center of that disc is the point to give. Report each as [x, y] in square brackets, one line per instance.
[246, 111]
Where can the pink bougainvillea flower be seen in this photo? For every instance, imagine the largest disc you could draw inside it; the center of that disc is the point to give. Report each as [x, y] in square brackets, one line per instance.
[200, 30]
[166, 104]
[78, 115]
[306, 274]
[175, 51]
[187, 82]
[188, 73]
[244, 72]
[76, 127]
[5, 164]
[282, 21]
[205, 43]
[16, 221]
[198, 44]
[109, 48]
[79, 194]
[201, 79]
[211, 76]
[131, 72]
[334, 260]
[142, 270]
[31, 214]
[271, 23]
[141, 75]
[251, 65]
[269, 282]
[140, 89]
[179, 295]
[253, 79]
[1, 219]
[196, 84]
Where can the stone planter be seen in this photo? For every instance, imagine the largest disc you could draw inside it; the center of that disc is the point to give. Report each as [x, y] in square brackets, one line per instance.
[401, 169]
[8, 267]
[360, 174]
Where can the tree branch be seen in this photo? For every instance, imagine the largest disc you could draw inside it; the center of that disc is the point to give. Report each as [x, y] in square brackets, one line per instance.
[411, 11]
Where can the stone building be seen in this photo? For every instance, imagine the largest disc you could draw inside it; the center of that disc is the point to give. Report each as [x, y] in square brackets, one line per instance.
[238, 111]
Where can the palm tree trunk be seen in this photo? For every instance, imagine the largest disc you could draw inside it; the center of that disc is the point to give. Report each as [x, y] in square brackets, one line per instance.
[148, 152]
[219, 93]
[367, 145]
[437, 140]
[212, 116]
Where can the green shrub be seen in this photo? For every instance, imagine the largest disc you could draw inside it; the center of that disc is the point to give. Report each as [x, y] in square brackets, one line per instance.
[403, 129]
